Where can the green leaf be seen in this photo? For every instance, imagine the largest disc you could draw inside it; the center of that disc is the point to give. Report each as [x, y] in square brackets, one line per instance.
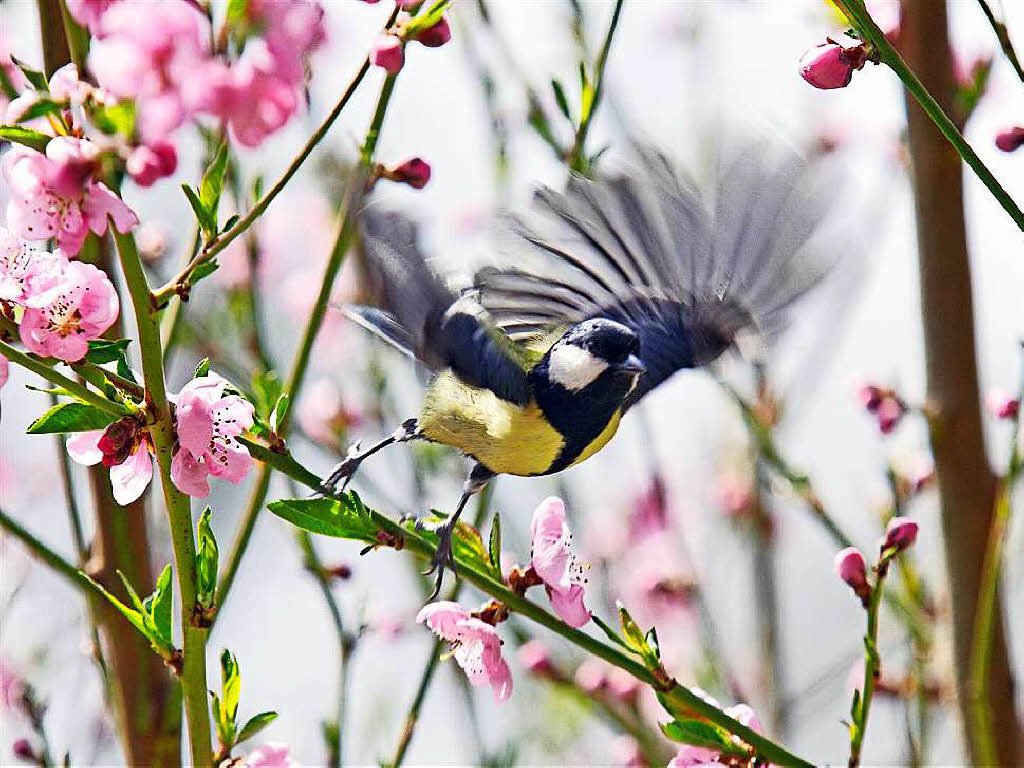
[256, 724]
[494, 545]
[280, 412]
[631, 631]
[427, 18]
[25, 136]
[203, 368]
[70, 417]
[206, 562]
[203, 269]
[231, 685]
[237, 12]
[855, 706]
[698, 733]
[560, 100]
[133, 594]
[40, 108]
[207, 222]
[266, 390]
[213, 182]
[115, 119]
[134, 617]
[651, 638]
[35, 78]
[224, 735]
[586, 95]
[609, 632]
[103, 351]
[341, 518]
[257, 188]
[230, 223]
[159, 604]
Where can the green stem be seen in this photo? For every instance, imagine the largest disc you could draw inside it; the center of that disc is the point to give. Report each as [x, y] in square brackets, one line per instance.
[861, 19]
[981, 648]
[577, 157]
[80, 391]
[179, 509]
[221, 241]
[679, 700]
[412, 717]
[1003, 35]
[871, 667]
[346, 229]
[373, 134]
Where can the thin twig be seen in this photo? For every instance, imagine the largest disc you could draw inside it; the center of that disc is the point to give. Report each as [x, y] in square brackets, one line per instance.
[1003, 35]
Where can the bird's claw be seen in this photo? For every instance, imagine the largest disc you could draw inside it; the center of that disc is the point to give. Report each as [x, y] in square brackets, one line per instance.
[344, 471]
[443, 558]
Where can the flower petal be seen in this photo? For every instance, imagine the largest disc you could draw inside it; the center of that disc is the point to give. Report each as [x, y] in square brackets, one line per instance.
[130, 478]
[83, 447]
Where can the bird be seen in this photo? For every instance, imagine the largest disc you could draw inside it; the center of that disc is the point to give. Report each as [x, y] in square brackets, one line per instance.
[602, 291]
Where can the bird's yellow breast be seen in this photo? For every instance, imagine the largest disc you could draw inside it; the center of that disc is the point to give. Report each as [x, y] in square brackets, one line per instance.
[504, 437]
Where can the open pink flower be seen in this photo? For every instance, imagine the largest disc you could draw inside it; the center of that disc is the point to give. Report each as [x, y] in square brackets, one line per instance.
[272, 755]
[553, 560]
[54, 195]
[292, 30]
[208, 423]
[16, 259]
[62, 320]
[475, 645]
[153, 53]
[89, 13]
[129, 479]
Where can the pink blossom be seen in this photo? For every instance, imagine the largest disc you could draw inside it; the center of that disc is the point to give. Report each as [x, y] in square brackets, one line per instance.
[129, 479]
[831, 64]
[67, 85]
[388, 54]
[900, 534]
[12, 687]
[849, 566]
[146, 164]
[1001, 403]
[89, 13]
[271, 755]
[54, 195]
[435, 36]
[415, 172]
[61, 321]
[591, 676]
[553, 560]
[475, 645]
[292, 29]
[154, 53]
[208, 421]
[870, 396]
[17, 258]
[5, 370]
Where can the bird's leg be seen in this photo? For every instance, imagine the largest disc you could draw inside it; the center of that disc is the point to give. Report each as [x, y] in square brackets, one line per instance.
[443, 558]
[344, 471]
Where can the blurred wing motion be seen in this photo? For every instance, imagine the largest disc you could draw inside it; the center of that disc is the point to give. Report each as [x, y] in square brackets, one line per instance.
[425, 318]
[646, 250]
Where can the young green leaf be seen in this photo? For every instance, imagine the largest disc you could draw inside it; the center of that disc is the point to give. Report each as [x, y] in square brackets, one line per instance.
[207, 222]
[25, 136]
[230, 223]
[631, 632]
[560, 100]
[280, 411]
[159, 604]
[255, 724]
[114, 119]
[40, 108]
[206, 562]
[35, 78]
[103, 351]
[203, 368]
[610, 633]
[224, 734]
[231, 685]
[266, 390]
[698, 733]
[70, 417]
[494, 545]
[329, 517]
[213, 182]
[203, 269]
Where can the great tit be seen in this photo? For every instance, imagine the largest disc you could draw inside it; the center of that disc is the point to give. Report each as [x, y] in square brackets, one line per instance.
[604, 291]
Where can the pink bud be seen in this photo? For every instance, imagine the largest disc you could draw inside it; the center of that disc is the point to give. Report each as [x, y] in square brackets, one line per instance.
[890, 411]
[900, 534]
[435, 36]
[591, 676]
[146, 164]
[22, 749]
[870, 396]
[415, 172]
[1010, 139]
[388, 54]
[534, 658]
[830, 65]
[1001, 404]
[851, 568]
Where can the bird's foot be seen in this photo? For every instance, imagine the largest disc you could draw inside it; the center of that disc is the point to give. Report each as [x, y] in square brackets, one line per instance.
[443, 557]
[344, 471]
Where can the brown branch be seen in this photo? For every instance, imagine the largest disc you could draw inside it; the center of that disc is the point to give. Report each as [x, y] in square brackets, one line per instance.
[966, 484]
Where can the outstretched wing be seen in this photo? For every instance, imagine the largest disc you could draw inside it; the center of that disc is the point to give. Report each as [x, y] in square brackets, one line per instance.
[418, 313]
[646, 250]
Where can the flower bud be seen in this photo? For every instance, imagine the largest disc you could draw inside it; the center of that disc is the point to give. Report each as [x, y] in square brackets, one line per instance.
[890, 411]
[1011, 139]
[415, 172]
[1002, 405]
[117, 441]
[851, 568]
[534, 658]
[388, 54]
[831, 65]
[870, 396]
[900, 534]
[146, 164]
[435, 36]
[591, 676]
[22, 749]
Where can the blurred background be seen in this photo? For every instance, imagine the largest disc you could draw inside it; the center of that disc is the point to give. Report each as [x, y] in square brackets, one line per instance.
[679, 73]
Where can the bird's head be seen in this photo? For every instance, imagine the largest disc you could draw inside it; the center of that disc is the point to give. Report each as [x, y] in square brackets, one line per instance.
[594, 349]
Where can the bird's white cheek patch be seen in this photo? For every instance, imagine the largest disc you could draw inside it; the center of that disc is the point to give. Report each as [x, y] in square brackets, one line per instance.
[573, 367]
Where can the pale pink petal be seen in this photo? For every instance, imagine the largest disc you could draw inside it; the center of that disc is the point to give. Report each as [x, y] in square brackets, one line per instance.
[4, 370]
[82, 447]
[229, 461]
[442, 617]
[271, 755]
[100, 203]
[568, 605]
[129, 479]
[189, 475]
[695, 756]
[551, 558]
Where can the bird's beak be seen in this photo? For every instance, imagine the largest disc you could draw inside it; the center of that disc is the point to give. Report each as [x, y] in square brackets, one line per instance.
[634, 364]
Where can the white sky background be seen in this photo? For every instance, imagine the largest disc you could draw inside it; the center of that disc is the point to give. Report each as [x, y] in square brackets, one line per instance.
[677, 70]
